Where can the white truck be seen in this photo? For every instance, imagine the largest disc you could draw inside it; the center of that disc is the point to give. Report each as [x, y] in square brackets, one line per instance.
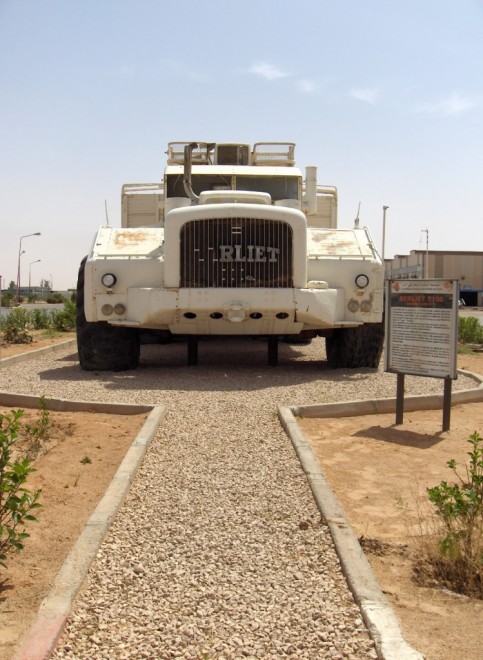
[233, 241]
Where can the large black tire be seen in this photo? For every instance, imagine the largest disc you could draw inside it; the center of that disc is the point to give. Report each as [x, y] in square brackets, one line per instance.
[355, 348]
[103, 347]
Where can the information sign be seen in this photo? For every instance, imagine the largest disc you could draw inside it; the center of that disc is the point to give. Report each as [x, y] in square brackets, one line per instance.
[421, 327]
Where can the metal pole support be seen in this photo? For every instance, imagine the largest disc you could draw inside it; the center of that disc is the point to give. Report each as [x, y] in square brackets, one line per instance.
[447, 403]
[400, 399]
[192, 351]
[272, 350]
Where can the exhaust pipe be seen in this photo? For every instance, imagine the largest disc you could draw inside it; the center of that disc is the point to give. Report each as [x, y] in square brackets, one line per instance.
[311, 190]
[188, 152]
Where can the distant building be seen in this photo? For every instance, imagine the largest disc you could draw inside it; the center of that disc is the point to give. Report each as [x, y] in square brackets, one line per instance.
[466, 267]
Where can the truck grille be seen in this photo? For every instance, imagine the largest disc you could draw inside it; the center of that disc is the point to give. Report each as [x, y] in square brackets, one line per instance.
[236, 252]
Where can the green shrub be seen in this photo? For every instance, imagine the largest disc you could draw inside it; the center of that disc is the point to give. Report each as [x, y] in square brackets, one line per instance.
[37, 433]
[18, 318]
[19, 321]
[39, 319]
[6, 299]
[64, 320]
[460, 508]
[15, 335]
[16, 501]
[55, 298]
[470, 331]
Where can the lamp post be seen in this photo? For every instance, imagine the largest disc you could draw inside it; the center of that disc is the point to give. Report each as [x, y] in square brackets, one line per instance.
[384, 209]
[426, 268]
[37, 233]
[30, 270]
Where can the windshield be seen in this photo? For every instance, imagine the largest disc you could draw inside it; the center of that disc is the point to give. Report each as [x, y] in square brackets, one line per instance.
[279, 187]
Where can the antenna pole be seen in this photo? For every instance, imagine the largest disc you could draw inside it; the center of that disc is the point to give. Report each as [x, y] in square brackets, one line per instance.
[356, 221]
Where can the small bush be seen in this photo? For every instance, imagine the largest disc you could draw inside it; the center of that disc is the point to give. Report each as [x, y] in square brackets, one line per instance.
[16, 501]
[39, 319]
[459, 506]
[15, 335]
[38, 433]
[64, 320]
[19, 321]
[18, 318]
[470, 331]
[55, 298]
[6, 299]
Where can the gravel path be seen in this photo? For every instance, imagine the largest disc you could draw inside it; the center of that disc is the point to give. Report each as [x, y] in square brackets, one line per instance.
[218, 551]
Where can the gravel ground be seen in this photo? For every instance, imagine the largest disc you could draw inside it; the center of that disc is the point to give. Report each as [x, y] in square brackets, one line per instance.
[218, 551]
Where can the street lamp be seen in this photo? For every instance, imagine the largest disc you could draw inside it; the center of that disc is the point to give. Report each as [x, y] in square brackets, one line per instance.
[30, 270]
[37, 233]
[426, 269]
[384, 209]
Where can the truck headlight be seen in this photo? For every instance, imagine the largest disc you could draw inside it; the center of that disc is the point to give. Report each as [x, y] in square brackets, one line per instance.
[362, 281]
[109, 280]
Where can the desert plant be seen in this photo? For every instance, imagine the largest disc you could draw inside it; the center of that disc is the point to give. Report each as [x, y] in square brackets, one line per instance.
[470, 331]
[18, 317]
[38, 432]
[64, 320]
[16, 501]
[39, 319]
[7, 298]
[55, 298]
[13, 334]
[460, 508]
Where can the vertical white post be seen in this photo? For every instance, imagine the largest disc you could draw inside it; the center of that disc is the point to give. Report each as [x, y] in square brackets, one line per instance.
[384, 209]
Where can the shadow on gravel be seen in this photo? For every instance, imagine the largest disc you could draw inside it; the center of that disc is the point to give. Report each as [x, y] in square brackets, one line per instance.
[224, 364]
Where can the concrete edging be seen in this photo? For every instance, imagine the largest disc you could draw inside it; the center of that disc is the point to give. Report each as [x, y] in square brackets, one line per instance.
[380, 406]
[30, 355]
[378, 615]
[44, 633]
[12, 400]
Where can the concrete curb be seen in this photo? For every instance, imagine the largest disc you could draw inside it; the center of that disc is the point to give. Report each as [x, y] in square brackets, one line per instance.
[380, 406]
[30, 355]
[10, 399]
[378, 616]
[43, 635]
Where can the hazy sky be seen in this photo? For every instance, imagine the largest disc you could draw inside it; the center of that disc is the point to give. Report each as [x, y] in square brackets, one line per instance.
[384, 96]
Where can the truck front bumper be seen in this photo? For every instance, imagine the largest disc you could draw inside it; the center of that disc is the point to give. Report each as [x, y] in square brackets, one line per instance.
[233, 311]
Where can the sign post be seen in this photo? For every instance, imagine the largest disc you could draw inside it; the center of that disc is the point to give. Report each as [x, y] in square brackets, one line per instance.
[421, 335]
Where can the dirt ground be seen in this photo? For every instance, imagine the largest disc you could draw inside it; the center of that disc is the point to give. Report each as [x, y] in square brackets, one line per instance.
[378, 471]
[41, 339]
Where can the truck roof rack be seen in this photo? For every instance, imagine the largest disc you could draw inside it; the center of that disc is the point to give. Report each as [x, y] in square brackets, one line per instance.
[201, 155]
[274, 153]
[278, 154]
